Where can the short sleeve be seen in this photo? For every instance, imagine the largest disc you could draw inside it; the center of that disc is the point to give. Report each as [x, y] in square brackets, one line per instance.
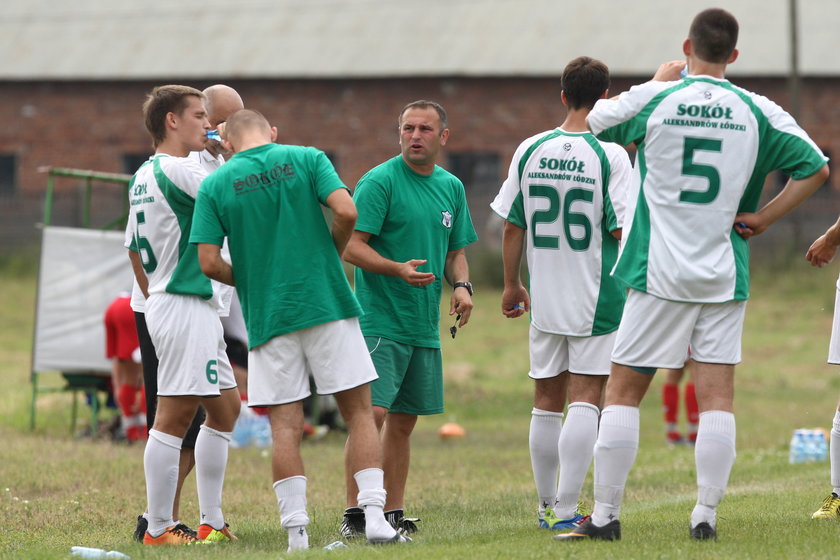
[185, 173]
[326, 177]
[621, 174]
[207, 226]
[463, 232]
[371, 198]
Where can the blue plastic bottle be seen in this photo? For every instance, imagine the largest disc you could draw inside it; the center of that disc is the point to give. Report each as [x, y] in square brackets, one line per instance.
[797, 447]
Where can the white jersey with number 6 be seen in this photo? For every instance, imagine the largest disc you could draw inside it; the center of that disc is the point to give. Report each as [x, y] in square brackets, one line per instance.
[568, 190]
[705, 148]
[162, 197]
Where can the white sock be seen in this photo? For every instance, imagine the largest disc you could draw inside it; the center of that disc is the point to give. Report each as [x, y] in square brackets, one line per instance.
[371, 499]
[615, 452]
[291, 500]
[577, 442]
[834, 453]
[211, 455]
[714, 455]
[543, 439]
[160, 463]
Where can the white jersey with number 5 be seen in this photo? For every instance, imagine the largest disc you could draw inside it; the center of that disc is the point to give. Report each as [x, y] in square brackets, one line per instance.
[568, 190]
[705, 147]
[162, 197]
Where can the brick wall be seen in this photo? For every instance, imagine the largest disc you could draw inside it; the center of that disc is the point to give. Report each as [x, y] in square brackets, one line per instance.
[92, 125]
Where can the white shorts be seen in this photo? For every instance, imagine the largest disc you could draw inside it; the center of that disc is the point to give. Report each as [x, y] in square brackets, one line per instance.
[834, 345]
[657, 332]
[552, 354]
[334, 353]
[187, 335]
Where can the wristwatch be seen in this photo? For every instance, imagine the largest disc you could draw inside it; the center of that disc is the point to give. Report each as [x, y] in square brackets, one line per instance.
[467, 285]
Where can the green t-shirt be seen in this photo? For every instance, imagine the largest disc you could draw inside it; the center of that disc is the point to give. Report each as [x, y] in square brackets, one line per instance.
[267, 201]
[409, 216]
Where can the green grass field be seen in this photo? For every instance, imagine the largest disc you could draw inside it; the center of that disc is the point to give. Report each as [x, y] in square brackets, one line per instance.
[475, 496]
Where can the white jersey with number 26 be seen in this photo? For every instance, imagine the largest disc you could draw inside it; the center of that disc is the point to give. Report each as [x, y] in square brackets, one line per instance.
[568, 189]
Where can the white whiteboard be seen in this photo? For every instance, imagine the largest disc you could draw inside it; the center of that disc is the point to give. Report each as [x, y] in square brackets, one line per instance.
[81, 272]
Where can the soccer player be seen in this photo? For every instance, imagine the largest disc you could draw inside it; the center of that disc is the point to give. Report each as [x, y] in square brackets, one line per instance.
[411, 233]
[126, 378]
[300, 312]
[564, 200]
[181, 312]
[220, 101]
[705, 147]
[822, 252]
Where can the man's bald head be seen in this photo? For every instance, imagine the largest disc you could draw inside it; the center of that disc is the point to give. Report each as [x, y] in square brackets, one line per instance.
[222, 101]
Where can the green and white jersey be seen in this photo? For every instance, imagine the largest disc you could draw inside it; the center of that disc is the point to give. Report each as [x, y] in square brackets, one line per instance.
[705, 147]
[568, 190]
[409, 216]
[268, 202]
[162, 197]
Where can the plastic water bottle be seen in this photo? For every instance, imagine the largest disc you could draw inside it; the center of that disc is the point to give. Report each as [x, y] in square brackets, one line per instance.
[812, 451]
[261, 431]
[251, 429]
[87, 552]
[797, 447]
[243, 429]
[214, 135]
[822, 446]
[335, 545]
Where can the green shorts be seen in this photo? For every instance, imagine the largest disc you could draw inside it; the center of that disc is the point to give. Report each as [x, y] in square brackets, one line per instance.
[410, 377]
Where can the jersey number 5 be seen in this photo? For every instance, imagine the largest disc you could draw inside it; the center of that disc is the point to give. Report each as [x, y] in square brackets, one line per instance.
[570, 218]
[690, 168]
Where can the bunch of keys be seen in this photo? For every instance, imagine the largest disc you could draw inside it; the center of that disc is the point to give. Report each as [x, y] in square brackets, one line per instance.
[453, 330]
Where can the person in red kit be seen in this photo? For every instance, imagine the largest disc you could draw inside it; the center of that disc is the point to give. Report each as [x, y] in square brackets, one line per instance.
[671, 406]
[126, 375]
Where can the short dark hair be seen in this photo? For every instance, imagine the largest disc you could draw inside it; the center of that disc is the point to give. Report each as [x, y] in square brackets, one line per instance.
[714, 34]
[245, 119]
[161, 101]
[584, 80]
[424, 104]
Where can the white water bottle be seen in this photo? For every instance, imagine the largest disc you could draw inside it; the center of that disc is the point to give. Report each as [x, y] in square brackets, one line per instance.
[87, 552]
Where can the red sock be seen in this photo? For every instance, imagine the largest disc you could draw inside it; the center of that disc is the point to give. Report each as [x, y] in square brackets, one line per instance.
[691, 407]
[126, 398]
[141, 394]
[671, 402]
[692, 410]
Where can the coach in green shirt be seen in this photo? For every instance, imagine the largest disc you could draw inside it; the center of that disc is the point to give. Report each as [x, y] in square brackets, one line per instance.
[411, 232]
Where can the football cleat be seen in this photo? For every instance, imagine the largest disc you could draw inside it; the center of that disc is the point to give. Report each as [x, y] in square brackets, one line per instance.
[353, 524]
[173, 536]
[588, 530]
[140, 529]
[399, 522]
[703, 531]
[208, 534]
[830, 508]
[549, 519]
